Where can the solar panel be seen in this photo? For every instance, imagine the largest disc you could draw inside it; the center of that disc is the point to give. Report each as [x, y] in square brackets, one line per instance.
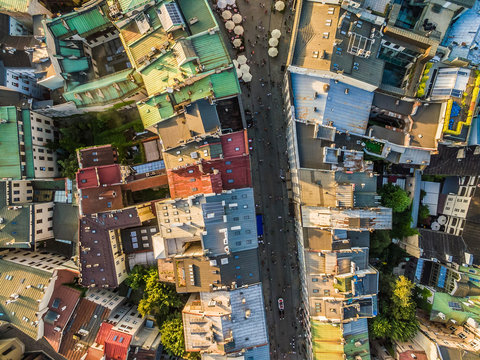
[174, 13]
[454, 305]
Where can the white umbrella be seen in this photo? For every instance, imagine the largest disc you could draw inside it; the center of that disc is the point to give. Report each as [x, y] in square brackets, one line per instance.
[238, 30]
[226, 14]
[239, 73]
[242, 59]
[272, 52]
[273, 42]
[229, 25]
[237, 43]
[247, 77]
[276, 33]
[235, 63]
[279, 5]
[222, 4]
[237, 18]
[244, 68]
[230, 2]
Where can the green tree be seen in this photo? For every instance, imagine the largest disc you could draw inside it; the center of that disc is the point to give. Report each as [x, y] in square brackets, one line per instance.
[159, 299]
[394, 197]
[381, 327]
[379, 241]
[423, 212]
[398, 308]
[136, 278]
[172, 336]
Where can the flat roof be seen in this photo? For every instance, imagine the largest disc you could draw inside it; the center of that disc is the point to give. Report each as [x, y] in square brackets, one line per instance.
[323, 43]
[330, 102]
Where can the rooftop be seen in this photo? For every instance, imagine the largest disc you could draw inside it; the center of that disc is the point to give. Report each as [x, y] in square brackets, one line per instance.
[89, 317]
[192, 153]
[198, 120]
[329, 38]
[229, 222]
[238, 315]
[330, 102]
[19, 304]
[99, 247]
[15, 229]
[61, 307]
[10, 165]
[96, 156]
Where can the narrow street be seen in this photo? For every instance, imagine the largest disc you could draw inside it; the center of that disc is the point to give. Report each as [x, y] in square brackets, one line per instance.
[263, 98]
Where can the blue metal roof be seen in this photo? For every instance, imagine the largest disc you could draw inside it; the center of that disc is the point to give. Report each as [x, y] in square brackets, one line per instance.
[324, 100]
[441, 277]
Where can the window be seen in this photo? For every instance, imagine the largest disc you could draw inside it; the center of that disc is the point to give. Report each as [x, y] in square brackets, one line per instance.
[39, 231]
[39, 221]
[16, 185]
[16, 192]
[315, 279]
[229, 171]
[40, 138]
[315, 291]
[230, 181]
[39, 211]
[228, 163]
[41, 150]
[238, 243]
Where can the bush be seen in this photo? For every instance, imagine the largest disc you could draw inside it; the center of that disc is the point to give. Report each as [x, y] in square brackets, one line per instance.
[394, 197]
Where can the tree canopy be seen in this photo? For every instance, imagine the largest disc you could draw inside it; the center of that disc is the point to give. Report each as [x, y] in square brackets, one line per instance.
[394, 197]
[159, 299]
[172, 336]
[397, 320]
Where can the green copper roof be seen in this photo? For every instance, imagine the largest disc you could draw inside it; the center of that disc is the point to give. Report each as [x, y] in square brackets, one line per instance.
[66, 51]
[163, 72]
[127, 5]
[14, 5]
[157, 108]
[15, 228]
[9, 144]
[225, 83]
[74, 65]
[200, 10]
[104, 90]
[455, 308]
[154, 110]
[211, 51]
[78, 22]
[27, 129]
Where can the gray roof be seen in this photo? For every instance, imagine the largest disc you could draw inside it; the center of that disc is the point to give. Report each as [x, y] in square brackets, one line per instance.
[251, 331]
[346, 106]
[446, 162]
[242, 268]
[65, 224]
[367, 285]
[359, 238]
[230, 221]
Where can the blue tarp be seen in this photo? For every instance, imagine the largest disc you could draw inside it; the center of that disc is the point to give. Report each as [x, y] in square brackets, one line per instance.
[259, 225]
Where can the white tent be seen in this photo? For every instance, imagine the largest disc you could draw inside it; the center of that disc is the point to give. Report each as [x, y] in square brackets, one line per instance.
[279, 5]
[242, 59]
[237, 43]
[247, 77]
[222, 4]
[229, 25]
[244, 68]
[272, 52]
[273, 42]
[239, 73]
[238, 30]
[276, 33]
[227, 14]
[237, 18]
[230, 2]
[235, 62]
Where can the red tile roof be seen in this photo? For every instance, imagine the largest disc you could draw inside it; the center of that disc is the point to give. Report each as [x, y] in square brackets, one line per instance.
[93, 177]
[234, 144]
[94, 354]
[65, 299]
[407, 355]
[103, 333]
[88, 316]
[191, 180]
[116, 345]
[235, 171]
